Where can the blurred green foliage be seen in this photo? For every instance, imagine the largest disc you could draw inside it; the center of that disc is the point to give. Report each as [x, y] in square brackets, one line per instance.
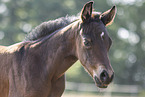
[127, 55]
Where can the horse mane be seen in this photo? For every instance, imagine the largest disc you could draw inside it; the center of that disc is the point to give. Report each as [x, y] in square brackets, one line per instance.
[46, 28]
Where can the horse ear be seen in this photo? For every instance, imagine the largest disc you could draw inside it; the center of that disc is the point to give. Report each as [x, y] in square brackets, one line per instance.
[87, 11]
[108, 16]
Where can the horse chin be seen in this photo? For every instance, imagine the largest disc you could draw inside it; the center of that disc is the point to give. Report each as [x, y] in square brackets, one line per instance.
[102, 86]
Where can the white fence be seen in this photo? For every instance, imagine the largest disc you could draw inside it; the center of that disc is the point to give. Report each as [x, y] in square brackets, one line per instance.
[113, 88]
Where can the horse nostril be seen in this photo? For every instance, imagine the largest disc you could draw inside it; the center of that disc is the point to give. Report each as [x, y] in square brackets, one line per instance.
[104, 76]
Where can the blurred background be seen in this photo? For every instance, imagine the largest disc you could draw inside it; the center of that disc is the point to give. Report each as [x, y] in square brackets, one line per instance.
[127, 54]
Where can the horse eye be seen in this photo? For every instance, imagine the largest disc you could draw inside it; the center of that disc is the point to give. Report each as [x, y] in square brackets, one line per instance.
[87, 43]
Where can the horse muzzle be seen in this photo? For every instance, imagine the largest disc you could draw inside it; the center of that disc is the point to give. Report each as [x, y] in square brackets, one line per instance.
[103, 80]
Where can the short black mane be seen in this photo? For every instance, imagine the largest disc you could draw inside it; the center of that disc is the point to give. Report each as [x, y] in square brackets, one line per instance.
[46, 28]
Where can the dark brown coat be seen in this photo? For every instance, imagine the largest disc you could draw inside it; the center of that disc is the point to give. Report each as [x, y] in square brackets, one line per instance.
[36, 66]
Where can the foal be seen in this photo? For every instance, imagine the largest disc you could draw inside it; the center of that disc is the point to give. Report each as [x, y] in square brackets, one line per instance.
[36, 66]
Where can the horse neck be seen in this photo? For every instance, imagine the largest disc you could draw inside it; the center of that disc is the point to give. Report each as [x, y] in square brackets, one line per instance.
[60, 49]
